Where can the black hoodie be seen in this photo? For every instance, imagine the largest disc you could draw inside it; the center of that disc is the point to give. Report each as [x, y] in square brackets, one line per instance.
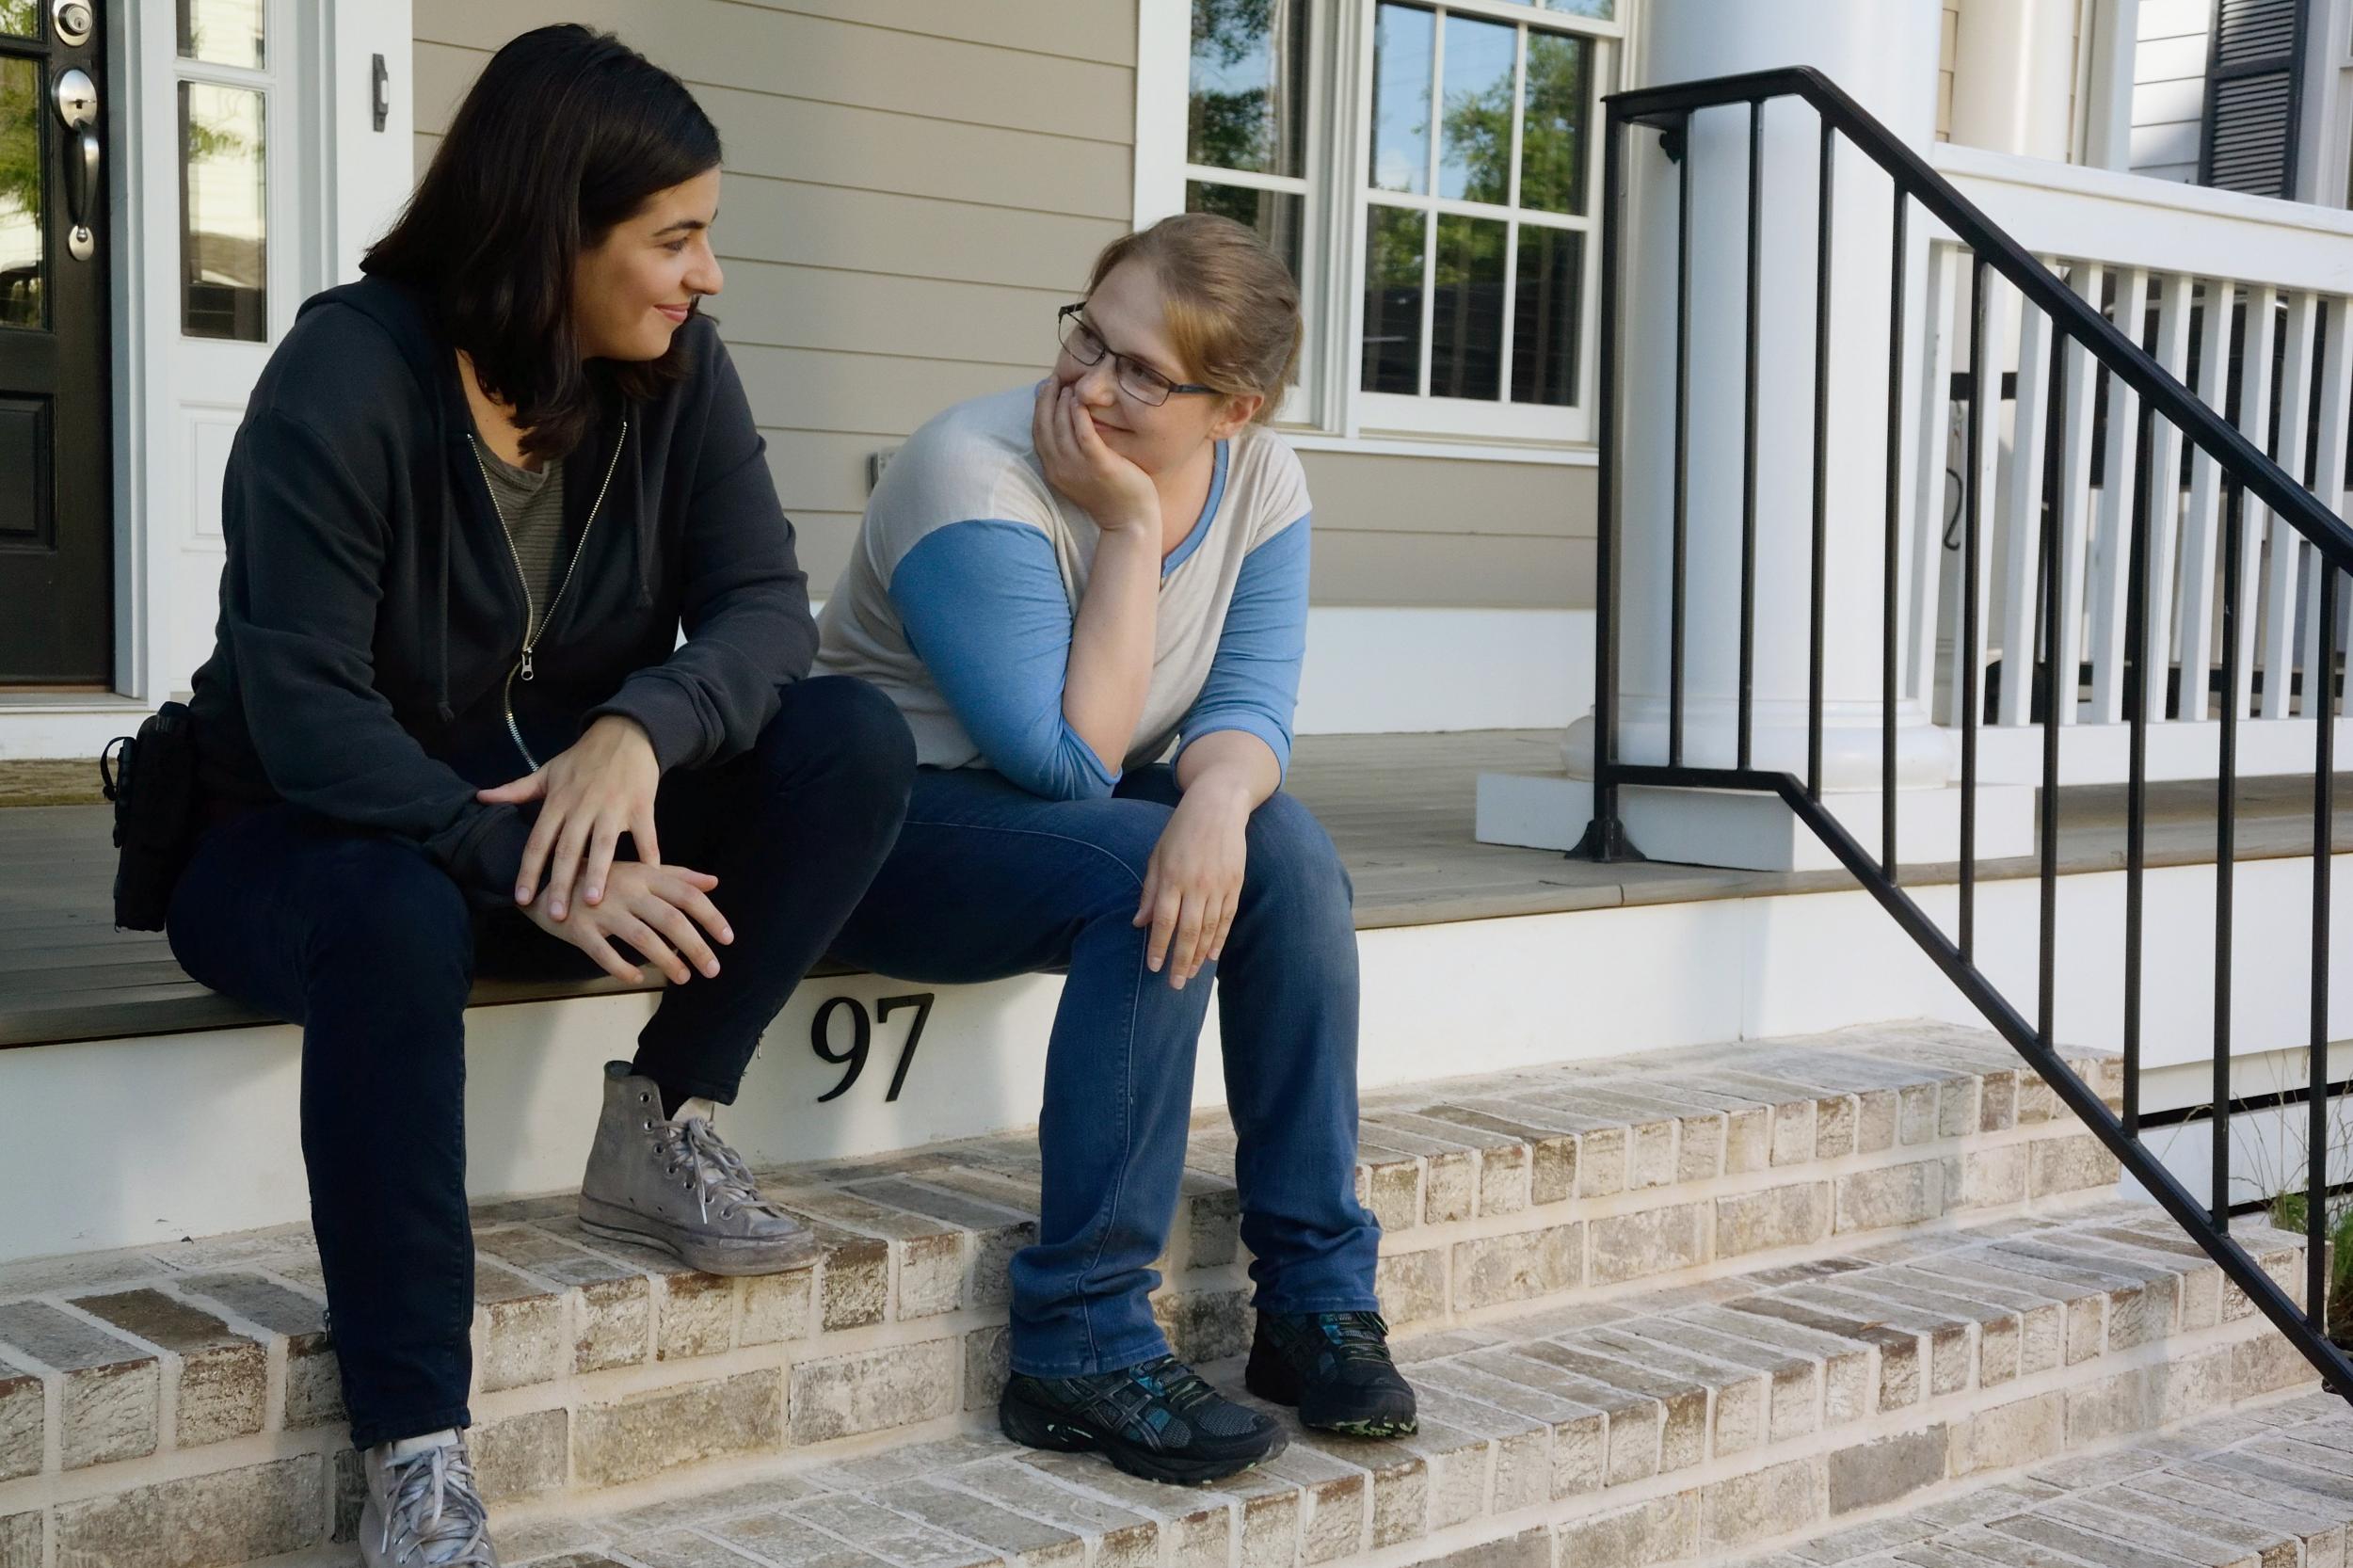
[367, 663]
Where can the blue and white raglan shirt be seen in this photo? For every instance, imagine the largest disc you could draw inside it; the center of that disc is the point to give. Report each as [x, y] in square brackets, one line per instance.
[960, 594]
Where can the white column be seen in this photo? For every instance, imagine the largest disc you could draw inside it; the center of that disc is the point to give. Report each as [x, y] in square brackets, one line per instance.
[2014, 77]
[2114, 26]
[1883, 52]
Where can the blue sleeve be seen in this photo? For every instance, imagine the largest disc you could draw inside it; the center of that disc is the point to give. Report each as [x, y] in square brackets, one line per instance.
[983, 608]
[1254, 681]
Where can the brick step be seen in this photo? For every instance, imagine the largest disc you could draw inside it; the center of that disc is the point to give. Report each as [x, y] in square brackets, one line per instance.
[2259, 1488]
[1698, 1418]
[1587, 1180]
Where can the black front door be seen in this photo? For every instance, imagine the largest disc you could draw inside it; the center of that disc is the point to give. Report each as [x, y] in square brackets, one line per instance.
[56, 528]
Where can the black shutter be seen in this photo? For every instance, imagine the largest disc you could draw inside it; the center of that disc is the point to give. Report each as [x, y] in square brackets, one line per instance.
[2254, 91]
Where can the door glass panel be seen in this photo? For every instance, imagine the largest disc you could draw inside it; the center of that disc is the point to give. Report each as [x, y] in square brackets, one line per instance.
[21, 260]
[1467, 320]
[223, 237]
[20, 18]
[1403, 41]
[1249, 98]
[223, 32]
[1475, 143]
[1393, 257]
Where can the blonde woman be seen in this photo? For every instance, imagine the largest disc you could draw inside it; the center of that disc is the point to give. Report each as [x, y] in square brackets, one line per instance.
[1054, 584]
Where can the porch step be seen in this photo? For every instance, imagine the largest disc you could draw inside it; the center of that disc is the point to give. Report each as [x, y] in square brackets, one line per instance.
[2264, 1486]
[1581, 1188]
[1676, 1426]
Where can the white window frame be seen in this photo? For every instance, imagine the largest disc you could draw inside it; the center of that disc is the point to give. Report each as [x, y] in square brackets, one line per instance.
[1328, 409]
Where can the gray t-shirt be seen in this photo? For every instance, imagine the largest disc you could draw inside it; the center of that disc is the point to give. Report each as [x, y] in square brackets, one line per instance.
[532, 504]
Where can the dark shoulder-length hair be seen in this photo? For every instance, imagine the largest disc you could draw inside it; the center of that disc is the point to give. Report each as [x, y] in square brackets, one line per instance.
[565, 134]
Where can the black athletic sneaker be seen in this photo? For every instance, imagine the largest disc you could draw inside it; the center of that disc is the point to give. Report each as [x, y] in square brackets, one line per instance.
[1335, 1368]
[1157, 1421]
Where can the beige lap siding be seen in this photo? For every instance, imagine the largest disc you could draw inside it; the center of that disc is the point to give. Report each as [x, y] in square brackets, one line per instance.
[912, 188]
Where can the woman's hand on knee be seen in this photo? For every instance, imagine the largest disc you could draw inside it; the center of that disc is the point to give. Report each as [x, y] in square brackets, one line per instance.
[1192, 884]
[664, 913]
[591, 794]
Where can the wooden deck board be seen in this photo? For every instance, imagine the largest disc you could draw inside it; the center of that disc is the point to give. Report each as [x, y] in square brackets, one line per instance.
[1399, 810]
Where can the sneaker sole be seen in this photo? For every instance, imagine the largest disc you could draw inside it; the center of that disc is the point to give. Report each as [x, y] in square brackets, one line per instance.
[732, 1258]
[1034, 1428]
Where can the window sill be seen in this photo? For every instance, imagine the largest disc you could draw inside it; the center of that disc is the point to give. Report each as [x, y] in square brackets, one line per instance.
[1452, 449]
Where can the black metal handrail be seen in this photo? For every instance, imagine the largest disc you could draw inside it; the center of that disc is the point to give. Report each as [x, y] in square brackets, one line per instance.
[2243, 470]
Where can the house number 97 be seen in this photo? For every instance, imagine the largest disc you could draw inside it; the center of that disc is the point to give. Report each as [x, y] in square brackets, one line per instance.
[820, 1038]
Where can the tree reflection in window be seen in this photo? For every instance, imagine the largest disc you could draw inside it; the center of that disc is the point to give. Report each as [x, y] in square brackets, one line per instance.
[1248, 107]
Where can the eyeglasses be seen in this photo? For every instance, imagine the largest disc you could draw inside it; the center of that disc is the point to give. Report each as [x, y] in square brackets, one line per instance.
[1136, 378]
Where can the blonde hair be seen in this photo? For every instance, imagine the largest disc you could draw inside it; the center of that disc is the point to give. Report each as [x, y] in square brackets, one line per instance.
[1232, 307]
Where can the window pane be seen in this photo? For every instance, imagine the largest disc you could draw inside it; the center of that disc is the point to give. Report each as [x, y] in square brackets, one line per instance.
[1600, 10]
[1249, 105]
[222, 32]
[1547, 311]
[20, 19]
[1475, 151]
[1467, 326]
[1401, 43]
[1275, 214]
[1393, 253]
[223, 239]
[21, 267]
[1552, 141]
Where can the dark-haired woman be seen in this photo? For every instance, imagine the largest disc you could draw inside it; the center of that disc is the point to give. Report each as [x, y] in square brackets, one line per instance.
[473, 500]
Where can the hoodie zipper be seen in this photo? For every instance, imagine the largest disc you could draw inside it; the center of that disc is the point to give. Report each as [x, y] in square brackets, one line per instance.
[534, 623]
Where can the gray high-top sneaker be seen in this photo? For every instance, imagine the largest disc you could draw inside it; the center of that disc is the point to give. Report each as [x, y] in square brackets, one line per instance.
[422, 1508]
[674, 1184]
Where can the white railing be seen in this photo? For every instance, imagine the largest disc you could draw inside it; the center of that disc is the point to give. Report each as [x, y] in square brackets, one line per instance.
[2191, 274]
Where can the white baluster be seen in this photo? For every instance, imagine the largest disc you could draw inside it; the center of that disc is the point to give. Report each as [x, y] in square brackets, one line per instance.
[2022, 522]
[2336, 406]
[2000, 307]
[2074, 513]
[2254, 423]
[2201, 527]
[2286, 545]
[1935, 494]
[2111, 571]
[2165, 486]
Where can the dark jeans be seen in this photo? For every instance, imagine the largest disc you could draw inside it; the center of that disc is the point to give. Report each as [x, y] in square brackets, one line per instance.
[371, 947]
[988, 881]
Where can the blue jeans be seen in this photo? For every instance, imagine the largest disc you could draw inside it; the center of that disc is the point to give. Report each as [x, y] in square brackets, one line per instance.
[372, 949]
[988, 881]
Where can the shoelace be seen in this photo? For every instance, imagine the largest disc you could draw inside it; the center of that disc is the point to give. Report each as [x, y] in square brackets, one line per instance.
[1357, 1336]
[717, 1171]
[435, 1506]
[1178, 1383]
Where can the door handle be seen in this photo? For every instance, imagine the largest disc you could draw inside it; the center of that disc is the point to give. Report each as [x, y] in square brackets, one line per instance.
[77, 106]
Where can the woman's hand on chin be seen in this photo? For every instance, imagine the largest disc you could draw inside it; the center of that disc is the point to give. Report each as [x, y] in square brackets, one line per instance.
[1117, 494]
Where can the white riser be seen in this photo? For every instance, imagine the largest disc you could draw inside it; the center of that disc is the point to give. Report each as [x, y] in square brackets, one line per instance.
[174, 1136]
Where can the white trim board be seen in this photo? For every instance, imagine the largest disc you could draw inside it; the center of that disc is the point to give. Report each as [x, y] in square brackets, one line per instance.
[2133, 221]
[1392, 670]
[209, 1142]
[1370, 670]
